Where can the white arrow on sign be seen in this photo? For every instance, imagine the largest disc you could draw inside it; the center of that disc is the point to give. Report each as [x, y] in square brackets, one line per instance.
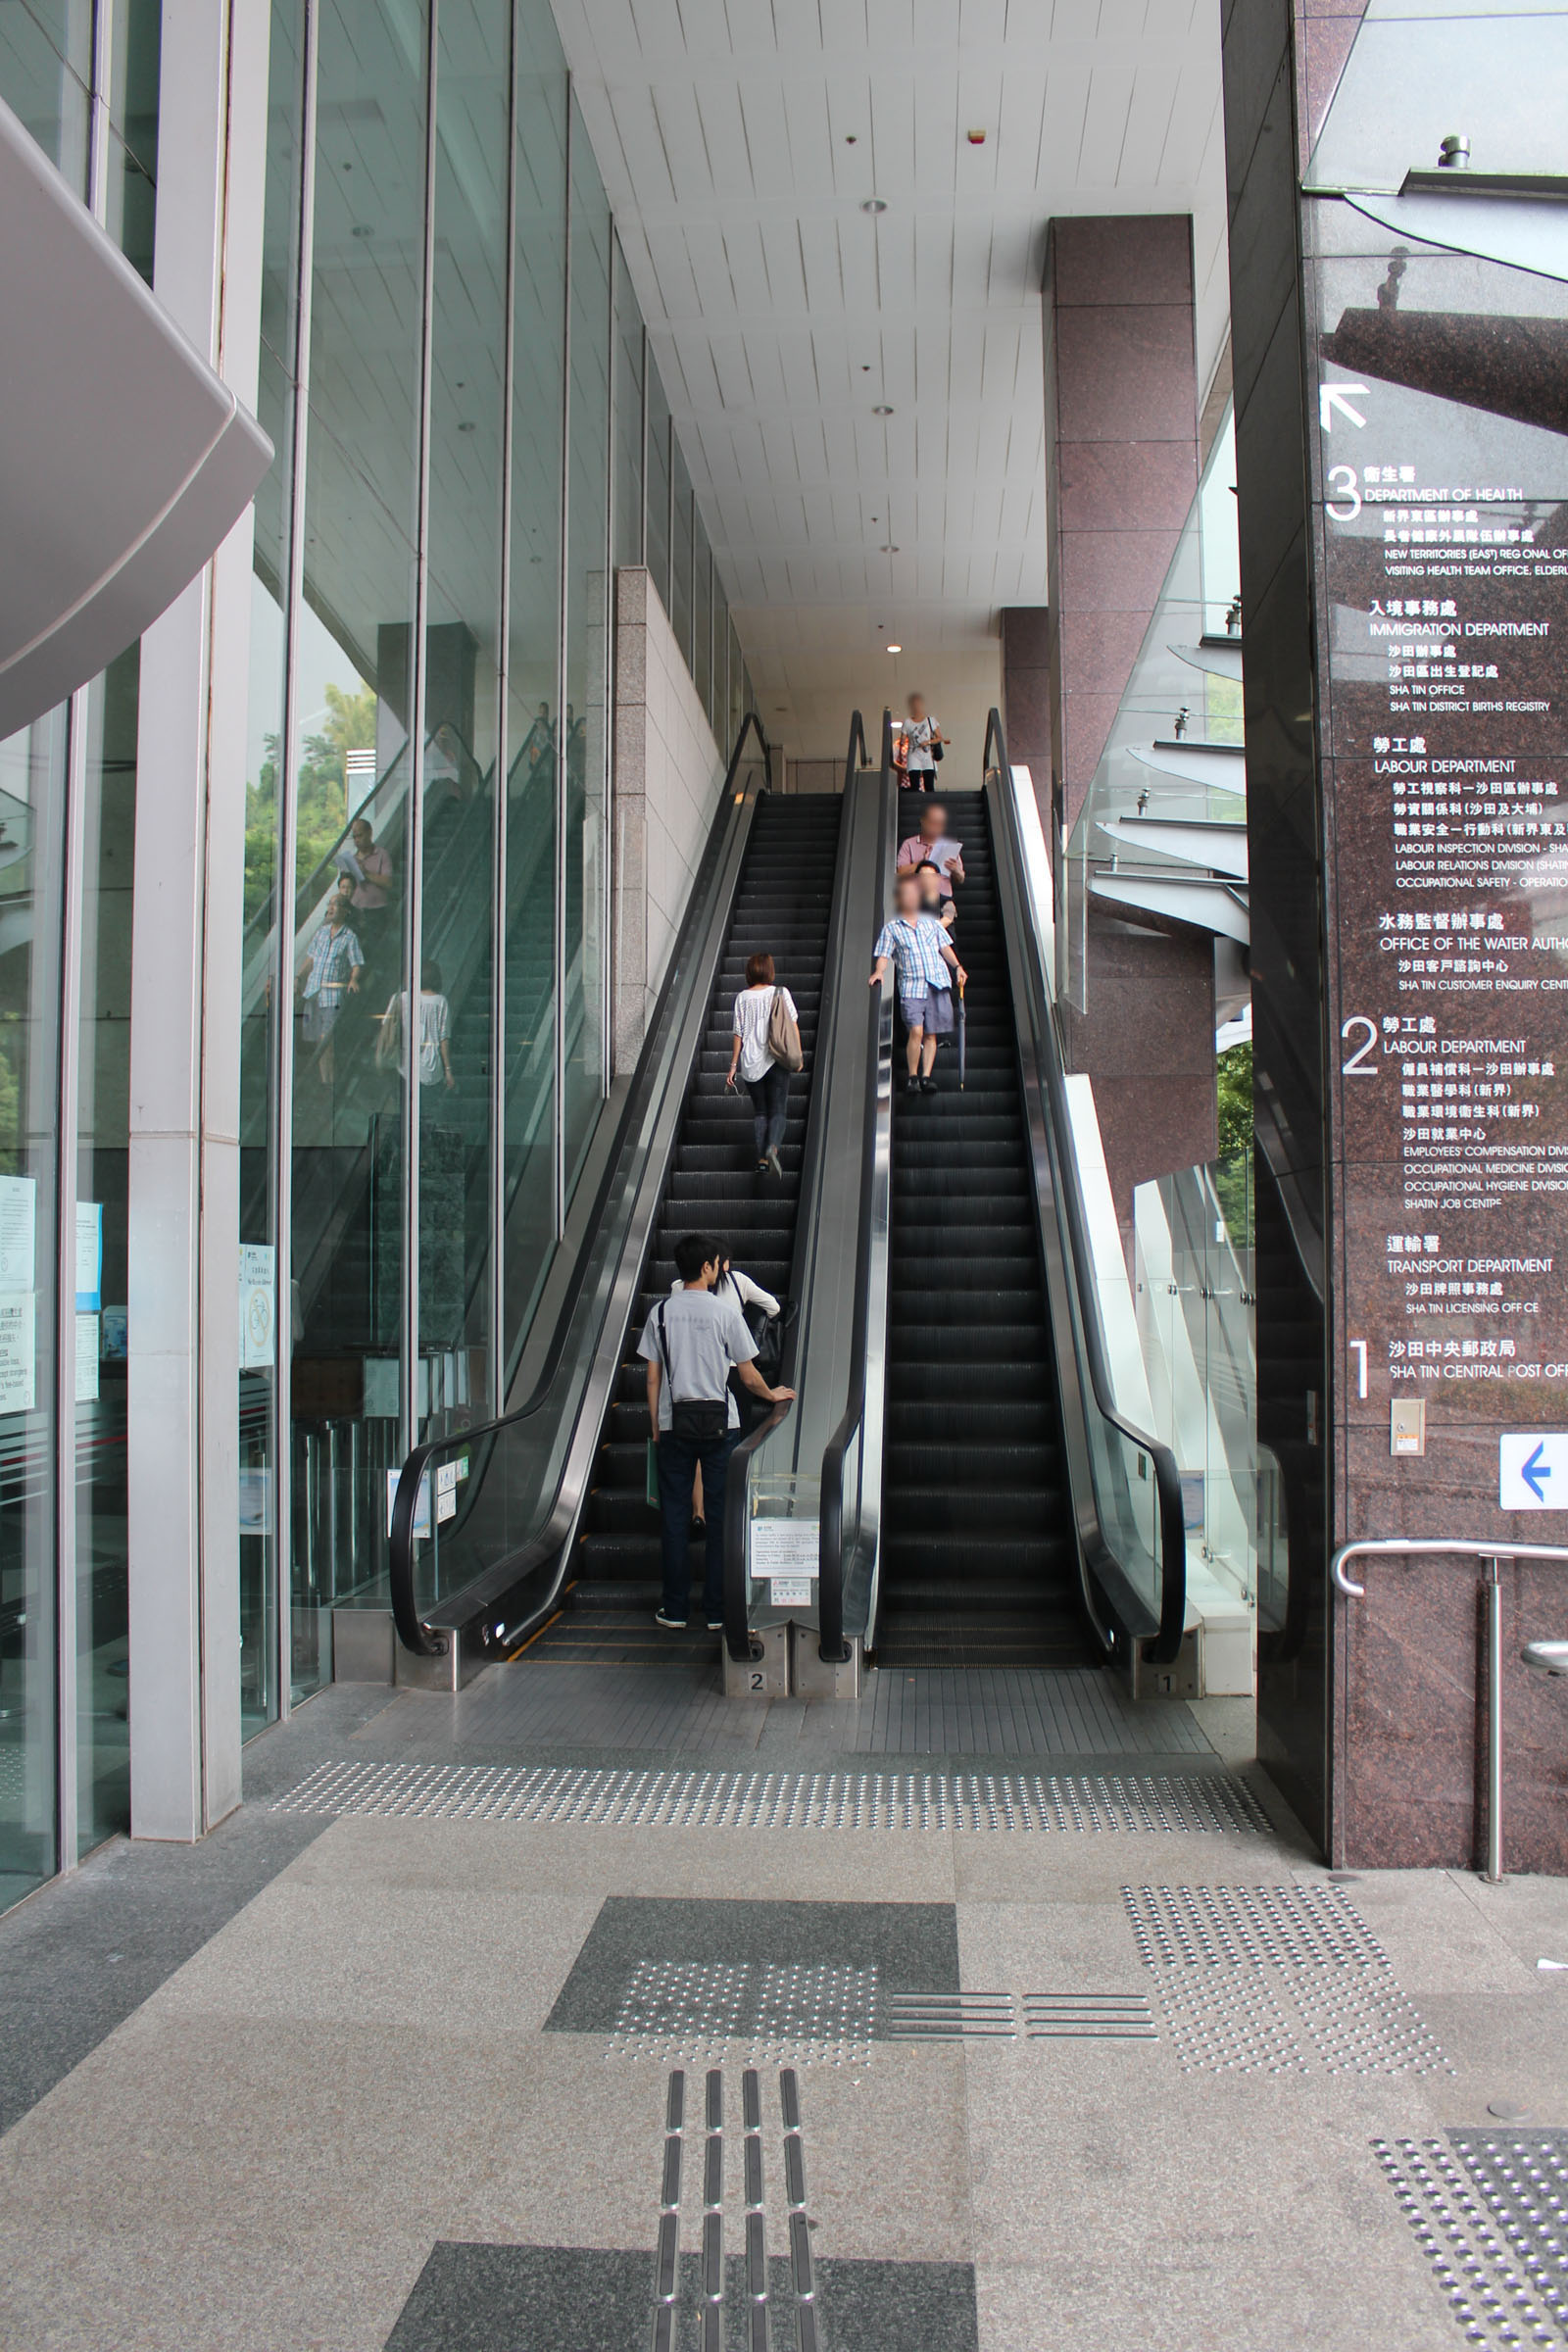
[1532, 1470]
[1338, 396]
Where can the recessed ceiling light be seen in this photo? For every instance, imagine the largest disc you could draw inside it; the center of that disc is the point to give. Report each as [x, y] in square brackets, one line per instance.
[363, 231]
[873, 204]
[889, 550]
[895, 648]
[882, 411]
[467, 427]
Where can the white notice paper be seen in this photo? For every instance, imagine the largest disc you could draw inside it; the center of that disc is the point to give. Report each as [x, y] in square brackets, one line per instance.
[18, 1321]
[19, 1208]
[89, 1257]
[785, 1546]
[86, 1359]
[790, 1591]
[258, 1306]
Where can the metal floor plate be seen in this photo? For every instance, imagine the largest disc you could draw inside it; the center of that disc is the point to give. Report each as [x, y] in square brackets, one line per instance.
[628, 1797]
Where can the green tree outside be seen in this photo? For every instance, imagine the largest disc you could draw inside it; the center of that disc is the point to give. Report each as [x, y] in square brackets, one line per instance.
[323, 799]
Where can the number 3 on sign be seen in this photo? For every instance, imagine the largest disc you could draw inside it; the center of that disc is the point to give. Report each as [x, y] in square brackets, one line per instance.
[1346, 505]
[1357, 1065]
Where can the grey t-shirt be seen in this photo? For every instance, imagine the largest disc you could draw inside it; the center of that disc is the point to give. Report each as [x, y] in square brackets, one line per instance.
[703, 1336]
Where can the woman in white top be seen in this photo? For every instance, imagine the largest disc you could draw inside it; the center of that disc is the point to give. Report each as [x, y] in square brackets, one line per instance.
[435, 1020]
[767, 1081]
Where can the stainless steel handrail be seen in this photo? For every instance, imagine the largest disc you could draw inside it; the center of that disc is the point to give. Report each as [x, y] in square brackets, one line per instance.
[737, 1594]
[432, 1633]
[1166, 1642]
[832, 1648]
[1491, 1555]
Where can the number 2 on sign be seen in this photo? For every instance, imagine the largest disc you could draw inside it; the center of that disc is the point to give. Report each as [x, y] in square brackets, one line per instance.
[1358, 1066]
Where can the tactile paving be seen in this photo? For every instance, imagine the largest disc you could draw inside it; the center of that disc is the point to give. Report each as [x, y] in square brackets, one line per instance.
[634, 1798]
[812, 2016]
[1276, 1979]
[1490, 2212]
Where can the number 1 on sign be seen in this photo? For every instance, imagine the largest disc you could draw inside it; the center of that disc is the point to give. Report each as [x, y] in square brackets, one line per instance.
[1358, 1347]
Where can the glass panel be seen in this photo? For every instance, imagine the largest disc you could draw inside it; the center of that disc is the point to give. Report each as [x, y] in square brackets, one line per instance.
[135, 53]
[45, 70]
[450, 1033]
[533, 653]
[33, 772]
[587, 646]
[680, 552]
[737, 691]
[103, 1125]
[702, 615]
[354, 678]
[658, 486]
[719, 698]
[628, 518]
[264, 990]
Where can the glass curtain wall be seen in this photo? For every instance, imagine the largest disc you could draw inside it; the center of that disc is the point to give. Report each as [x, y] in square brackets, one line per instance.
[658, 443]
[83, 80]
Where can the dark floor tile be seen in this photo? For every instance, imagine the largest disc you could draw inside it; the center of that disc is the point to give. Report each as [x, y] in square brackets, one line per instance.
[912, 1947]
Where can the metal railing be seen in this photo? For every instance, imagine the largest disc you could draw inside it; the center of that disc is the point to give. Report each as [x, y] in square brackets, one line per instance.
[1086, 1339]
[737, 1583]
[552, 1436]
[832, 1550]
[1492, 1558]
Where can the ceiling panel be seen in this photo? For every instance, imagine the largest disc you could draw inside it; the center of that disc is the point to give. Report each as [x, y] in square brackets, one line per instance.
[739, 141]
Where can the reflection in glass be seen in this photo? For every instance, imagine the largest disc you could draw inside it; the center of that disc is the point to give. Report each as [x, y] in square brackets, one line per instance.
[103, 1133]
[587, 746]
[263, 989]
[702, 614]
[629, 484]
[45, 77]
[533, 643]
[682, 514]
[33, 830]
[352, 772]
[443, 1028]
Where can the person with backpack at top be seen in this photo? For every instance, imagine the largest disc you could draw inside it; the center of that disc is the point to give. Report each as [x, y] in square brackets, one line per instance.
[690, 1343]
[925, 741]
[916, 943]
[766, 1051]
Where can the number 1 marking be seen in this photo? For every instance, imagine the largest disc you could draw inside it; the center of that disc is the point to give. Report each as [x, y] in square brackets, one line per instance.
[1358, 1347]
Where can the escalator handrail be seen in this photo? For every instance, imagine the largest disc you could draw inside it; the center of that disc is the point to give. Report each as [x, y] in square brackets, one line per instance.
[737, 1636]
[1164, 1645]
[831, 1644]
[413, 1632]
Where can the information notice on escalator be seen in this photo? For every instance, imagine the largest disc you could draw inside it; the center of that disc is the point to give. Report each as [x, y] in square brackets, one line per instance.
[1447, 707]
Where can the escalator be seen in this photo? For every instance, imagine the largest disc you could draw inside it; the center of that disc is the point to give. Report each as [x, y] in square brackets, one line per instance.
[781, 908]
[979, 1565]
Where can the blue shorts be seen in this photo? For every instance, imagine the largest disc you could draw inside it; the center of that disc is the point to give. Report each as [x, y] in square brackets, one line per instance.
[931, 1011]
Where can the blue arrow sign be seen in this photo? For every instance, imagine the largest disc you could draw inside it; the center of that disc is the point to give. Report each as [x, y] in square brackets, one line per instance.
[1532, 1470]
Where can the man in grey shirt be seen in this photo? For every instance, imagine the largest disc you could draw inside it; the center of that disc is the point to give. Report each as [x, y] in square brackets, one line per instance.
[690, 1343]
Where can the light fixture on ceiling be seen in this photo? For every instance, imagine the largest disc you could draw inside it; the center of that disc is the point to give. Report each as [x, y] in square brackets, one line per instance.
[977, 138]
[468, 426]
[895, 648]
[874, 203]
[889, 550]
[882, 409]
[361, 230]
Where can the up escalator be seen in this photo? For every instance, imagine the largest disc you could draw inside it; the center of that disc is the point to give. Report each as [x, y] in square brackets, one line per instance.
[781, 908]
[979, 1561]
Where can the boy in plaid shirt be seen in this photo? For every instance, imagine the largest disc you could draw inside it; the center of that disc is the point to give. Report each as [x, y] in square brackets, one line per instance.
[916, 943]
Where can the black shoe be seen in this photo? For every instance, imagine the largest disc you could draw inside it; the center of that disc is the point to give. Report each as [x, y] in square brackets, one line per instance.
[675, 1625]
[928, 1086]
[912, 1086]
[697, 1530]
[761, 1167]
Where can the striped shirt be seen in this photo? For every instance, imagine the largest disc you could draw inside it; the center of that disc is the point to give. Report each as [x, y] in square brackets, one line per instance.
[333, 955]
[916, 949]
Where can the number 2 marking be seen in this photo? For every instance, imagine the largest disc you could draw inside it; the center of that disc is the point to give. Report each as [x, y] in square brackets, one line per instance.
[1356, 1066]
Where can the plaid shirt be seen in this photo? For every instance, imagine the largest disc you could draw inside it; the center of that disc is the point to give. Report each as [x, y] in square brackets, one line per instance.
[333, 955]
[916, 949]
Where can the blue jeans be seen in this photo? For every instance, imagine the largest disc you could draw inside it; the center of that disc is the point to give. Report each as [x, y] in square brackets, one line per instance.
[771, 1096]
[677, 1472]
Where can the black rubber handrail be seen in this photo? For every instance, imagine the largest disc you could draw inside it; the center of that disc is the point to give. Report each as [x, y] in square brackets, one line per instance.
[737, 1631]
[423, 1640]
[1164, 1645]
[831, 1644]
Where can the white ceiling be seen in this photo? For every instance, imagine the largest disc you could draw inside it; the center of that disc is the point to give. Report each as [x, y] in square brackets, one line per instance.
[739, 141]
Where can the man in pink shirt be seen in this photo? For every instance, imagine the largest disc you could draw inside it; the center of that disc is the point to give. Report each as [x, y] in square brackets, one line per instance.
[931, 843]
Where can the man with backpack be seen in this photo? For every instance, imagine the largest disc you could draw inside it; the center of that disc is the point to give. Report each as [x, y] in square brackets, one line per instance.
[690, 1343]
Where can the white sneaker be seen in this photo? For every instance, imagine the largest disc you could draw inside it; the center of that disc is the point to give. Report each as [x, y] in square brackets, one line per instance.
[675, 1624]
